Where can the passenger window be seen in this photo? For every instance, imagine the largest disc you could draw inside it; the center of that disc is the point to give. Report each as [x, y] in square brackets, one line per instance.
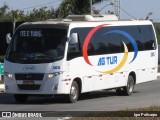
[148, 37]
[102, 43]
[114, 43]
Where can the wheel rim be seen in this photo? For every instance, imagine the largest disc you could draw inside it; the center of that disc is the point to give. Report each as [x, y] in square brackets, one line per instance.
[74, 92]
[130, 86]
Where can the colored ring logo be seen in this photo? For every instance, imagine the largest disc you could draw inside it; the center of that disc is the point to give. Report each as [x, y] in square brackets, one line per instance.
[124, 59]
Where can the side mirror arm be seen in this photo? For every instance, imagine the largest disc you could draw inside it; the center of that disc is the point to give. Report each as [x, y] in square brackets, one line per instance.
[8, 38]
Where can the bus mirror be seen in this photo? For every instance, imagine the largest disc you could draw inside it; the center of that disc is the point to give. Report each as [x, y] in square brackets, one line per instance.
[8, 38]
[74, 38]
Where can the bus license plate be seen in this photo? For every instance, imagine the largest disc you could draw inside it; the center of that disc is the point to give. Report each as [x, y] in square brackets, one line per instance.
[28, 82]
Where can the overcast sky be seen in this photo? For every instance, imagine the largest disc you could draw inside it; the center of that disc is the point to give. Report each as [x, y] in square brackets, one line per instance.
[135, 8]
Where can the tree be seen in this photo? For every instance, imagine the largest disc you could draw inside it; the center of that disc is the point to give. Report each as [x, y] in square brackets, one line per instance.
[157, 28]
[8, 15]
[40, 14]
[3, 9]
[68, 7]
[43, 13]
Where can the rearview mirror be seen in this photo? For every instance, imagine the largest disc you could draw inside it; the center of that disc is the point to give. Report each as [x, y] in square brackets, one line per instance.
[8, 38]
[74, 38]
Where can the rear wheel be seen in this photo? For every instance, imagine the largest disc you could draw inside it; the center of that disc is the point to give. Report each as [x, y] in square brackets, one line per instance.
[127, 90]
[21, 98]
[74, 92]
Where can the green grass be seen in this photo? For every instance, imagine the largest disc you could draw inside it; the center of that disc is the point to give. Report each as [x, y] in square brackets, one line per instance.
[113, 118]
[103, 115]
[152, 108]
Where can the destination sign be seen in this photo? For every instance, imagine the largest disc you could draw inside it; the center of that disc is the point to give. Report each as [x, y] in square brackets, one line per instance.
[33, 33]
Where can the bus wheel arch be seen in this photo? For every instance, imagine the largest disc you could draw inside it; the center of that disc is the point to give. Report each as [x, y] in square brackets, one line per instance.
[79, 82]
[75, 90]
[133, 74]
[129, 88]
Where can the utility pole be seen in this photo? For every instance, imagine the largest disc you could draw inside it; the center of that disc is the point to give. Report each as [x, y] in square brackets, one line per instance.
[14, 25]
[117, 8]
[91, 7]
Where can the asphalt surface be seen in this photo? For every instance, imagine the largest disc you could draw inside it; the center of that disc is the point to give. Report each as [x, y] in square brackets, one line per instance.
[146, 94]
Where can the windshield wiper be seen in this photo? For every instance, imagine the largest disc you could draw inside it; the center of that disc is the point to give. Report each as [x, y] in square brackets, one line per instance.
[33, 58]
[43, 57]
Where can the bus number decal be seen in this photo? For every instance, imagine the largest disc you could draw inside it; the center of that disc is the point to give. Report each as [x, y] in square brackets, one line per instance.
[56, 67]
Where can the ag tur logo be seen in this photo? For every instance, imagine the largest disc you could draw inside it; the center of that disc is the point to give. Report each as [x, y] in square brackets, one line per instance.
[113, 59]
[107, 60]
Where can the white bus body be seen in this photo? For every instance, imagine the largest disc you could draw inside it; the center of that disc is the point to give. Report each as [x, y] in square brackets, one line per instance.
[97, 55]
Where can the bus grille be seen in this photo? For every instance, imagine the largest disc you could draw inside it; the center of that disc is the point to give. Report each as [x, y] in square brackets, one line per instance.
[29, 76]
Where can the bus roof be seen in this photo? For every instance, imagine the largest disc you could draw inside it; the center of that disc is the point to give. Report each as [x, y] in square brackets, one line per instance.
[83, 20]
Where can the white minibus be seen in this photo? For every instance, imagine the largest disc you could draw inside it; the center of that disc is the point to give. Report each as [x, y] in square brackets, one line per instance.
[80, 54]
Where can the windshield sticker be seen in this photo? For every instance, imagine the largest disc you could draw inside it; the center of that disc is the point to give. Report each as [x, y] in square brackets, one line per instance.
[26, 33]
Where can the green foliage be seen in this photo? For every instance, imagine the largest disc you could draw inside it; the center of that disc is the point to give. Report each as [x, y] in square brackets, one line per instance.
[158, 38]
[66, 8]
[157, 28]
[1, 59]
[7, 15]
[78, 7]
[40, 14]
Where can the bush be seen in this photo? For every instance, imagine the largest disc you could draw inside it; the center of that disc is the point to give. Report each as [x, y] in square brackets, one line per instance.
[1, 59]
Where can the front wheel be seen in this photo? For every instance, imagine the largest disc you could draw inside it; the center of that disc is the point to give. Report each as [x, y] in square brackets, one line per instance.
[74, 92]
[127, 90]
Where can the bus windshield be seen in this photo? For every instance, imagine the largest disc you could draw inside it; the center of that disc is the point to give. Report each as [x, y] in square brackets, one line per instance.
[37, 45]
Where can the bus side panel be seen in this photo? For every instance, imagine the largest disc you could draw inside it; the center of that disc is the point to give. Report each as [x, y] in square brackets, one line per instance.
[147, 66]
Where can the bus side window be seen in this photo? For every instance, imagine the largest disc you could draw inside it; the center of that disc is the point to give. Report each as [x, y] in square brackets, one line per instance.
[73, 48]
[148, 38]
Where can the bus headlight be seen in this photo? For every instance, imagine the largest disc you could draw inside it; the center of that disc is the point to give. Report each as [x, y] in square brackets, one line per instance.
[9, 75]
[51, 75]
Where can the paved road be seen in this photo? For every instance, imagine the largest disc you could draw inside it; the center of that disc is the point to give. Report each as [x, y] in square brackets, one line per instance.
[146, 94]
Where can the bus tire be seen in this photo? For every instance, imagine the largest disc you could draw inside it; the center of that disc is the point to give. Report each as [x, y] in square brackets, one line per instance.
[21, 98]
[127, 90]
[74, 92]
